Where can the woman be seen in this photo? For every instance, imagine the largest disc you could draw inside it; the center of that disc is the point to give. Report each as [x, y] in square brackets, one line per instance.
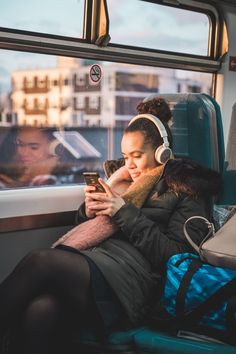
[32, 162]
[52, 291]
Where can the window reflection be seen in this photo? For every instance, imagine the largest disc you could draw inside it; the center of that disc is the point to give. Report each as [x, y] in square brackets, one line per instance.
[32, 156]
[29, 161]
[51, 103]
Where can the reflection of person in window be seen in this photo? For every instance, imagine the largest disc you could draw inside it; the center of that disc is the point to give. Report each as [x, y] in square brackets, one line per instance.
[32, 158]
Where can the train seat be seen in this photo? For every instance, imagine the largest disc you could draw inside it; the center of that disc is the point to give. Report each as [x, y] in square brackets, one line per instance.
[142, 340]
[198, 134]
[119, 342]
[197, 129]
[152, 342]
[229, 173]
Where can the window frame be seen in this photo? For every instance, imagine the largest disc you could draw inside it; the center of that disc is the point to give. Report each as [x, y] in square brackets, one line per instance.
[86, 49]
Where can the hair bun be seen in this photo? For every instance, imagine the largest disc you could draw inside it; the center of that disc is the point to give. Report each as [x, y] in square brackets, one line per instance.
[158, 107]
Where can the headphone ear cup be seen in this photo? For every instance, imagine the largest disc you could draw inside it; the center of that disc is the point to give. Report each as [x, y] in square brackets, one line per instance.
[56, 148]
[162, 154]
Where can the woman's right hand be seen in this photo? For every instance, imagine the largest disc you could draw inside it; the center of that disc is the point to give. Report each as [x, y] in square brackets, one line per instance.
[8, 182]
[88, 190]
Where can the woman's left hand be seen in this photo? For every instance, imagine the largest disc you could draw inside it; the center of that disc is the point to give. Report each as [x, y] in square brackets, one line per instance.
[106, 203]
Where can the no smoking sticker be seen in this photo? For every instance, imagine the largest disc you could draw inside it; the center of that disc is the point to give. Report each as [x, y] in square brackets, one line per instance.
[95, 73]
[232, 63]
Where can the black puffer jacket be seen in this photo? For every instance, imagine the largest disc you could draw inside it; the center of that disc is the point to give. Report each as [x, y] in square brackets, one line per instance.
[133, 260]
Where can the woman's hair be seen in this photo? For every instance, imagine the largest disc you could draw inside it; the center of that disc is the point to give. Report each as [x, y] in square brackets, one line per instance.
[156, 106]
[46, 132]
[159, 108]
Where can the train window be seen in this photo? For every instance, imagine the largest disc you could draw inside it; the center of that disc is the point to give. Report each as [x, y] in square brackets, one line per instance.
[153, 26]
[63, 17]
[50, 133]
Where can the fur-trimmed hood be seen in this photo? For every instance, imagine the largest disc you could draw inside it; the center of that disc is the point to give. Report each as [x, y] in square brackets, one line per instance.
[187, 176]
[181, 175]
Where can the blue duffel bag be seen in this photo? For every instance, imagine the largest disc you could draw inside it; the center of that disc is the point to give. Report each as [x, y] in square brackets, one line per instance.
[200, 296]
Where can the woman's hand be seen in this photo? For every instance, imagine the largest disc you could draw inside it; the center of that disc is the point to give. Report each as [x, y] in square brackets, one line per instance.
[122, 174]
[88, 190]
[104, 203]
[120, 180]
[8, 182]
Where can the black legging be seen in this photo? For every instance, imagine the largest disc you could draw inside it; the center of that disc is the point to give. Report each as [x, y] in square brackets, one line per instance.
[43, 289]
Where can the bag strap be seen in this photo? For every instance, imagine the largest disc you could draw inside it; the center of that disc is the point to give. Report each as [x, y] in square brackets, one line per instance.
[184, 285]
[221, 295]
[230, 315]
[209, 234]
[191, 318]
[224, 293]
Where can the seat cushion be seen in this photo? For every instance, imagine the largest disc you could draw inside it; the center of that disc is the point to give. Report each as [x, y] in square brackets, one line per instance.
[152, 342]
[117, 342]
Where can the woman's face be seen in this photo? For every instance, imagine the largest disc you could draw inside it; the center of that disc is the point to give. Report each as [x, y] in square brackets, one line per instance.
[32, 146]
[139, 157]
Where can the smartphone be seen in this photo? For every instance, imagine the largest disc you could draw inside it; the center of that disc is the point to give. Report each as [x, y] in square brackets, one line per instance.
[91, 179]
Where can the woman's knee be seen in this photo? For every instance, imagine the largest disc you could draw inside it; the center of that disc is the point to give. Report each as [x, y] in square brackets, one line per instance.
[42, 311]
[43, 326]
[37, 259]
[38, 256]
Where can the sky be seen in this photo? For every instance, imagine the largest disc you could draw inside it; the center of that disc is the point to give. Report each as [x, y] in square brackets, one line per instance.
[158, 26]
[52, 16]
[131, 23]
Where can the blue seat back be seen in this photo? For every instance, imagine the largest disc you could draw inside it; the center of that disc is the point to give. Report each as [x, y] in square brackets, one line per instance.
[229, 174]
[197, 129]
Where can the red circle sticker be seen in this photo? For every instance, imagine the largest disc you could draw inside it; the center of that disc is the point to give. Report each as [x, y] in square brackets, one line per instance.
[95, 73]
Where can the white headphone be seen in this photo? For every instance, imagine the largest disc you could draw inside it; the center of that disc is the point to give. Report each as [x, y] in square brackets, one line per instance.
[163, 152]
[56, 148]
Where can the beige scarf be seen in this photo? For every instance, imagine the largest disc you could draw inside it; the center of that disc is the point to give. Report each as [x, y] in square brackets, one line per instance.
[90, 233]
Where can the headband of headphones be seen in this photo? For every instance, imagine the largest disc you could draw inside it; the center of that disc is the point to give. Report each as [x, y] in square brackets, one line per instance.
[160, 126]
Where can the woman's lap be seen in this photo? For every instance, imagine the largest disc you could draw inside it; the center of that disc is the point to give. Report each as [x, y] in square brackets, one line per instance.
[103, 300]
